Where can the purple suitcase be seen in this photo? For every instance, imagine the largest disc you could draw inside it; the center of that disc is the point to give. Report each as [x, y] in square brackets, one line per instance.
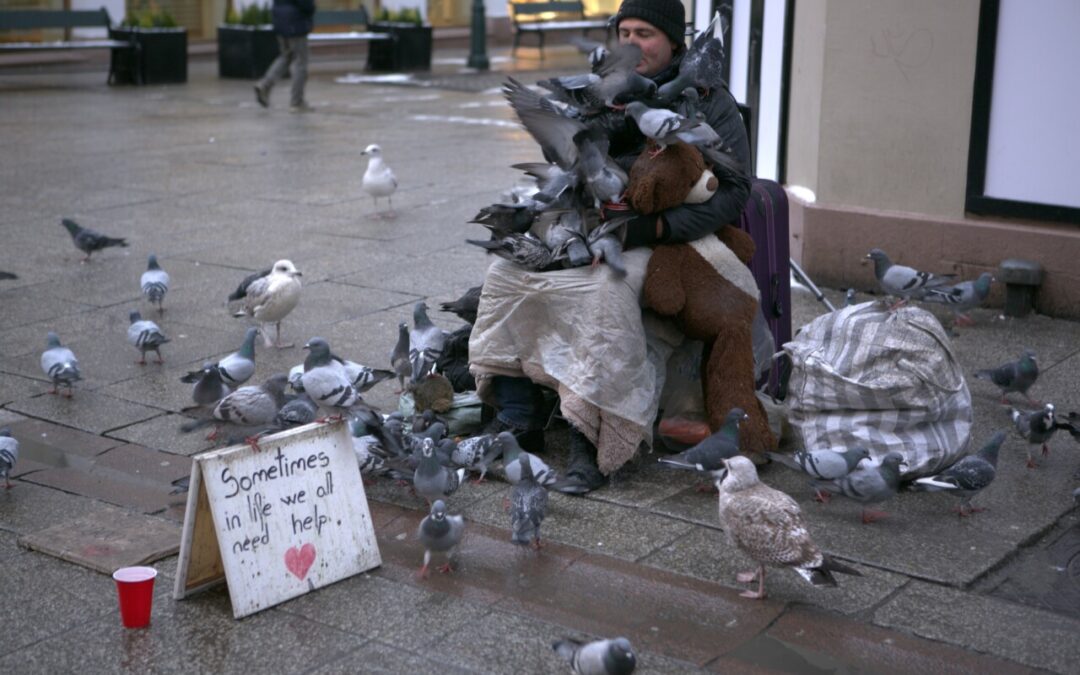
[766, 219]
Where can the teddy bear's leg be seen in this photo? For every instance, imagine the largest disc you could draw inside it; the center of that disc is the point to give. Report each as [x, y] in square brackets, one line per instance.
[728, 382]
[740, 242]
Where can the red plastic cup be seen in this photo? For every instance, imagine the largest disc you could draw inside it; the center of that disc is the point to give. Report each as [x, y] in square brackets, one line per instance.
[135, 586]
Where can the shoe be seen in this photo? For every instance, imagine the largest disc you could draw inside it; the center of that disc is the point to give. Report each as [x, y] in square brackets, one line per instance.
[581, 475]
[301, 107]
[530, 440]
[262, 96]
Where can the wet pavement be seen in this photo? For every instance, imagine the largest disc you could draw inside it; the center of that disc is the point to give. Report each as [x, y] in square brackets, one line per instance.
[218, 187]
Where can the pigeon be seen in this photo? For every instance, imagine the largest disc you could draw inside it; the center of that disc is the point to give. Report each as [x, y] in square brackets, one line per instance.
[238, 367]
[9, 454]
[426, 341]
[454, 361]
[439, 532]
[466, 306]
[363, 377]
[60, 364]
[868, 484]
[903, 282]
[1038, 426]
[564, 230]
[247, 406]
[209, 385]
[399, 356]
[154, 283]
[87, 240]
[8, 275]
[709, 454]
[767, 525]
[297, 412]
[524, 249]
[476, 453]
[379, 179]
[967, 477]
[241, 291]
[822, 464]
[326, 381]
[269, 299]
[701, 66]
[614, 82]
[599, 657]
[146, 336]
[369, 454]
[1014, 376]
[432, 480]
[511, 452]
[528, 505]
[962, 297]
[664, 127]
[180, 485]
[606, 245]
[849, 298]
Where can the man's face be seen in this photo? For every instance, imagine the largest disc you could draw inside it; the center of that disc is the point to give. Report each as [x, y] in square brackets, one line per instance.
[656, 47]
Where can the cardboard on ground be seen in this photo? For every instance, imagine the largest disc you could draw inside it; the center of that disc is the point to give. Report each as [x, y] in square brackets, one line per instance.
[276, 522]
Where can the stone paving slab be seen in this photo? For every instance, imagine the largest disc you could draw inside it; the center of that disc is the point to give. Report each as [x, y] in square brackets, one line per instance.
[163, 433]
[43, 445]
[13, 387]
[379, 658]
[89, 411]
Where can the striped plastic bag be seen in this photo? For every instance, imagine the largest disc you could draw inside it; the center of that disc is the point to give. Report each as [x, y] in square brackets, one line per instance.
[888, 380]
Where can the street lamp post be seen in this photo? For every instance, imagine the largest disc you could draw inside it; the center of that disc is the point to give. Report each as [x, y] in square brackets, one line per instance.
[478, 44]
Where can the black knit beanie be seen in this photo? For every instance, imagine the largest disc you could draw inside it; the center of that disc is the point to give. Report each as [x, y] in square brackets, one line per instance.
[667, 15]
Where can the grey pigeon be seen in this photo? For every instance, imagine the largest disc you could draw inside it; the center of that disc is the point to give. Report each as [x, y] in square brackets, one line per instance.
[665, 127]
[614, 82]
[1014, 376]
[702, 65]
[524, 249]
[368, 452]
[709, 455]
[512, 452]
[822, 464]
[432, 480]
[154, 283]
[209, 385]
[297, 412]
[1037, 428]
[9, 454]
[238, 367]
[599, 657]
[606, 245]
[439, 532]
[767, 525]
[426, 341]
[326, 381]
[8, 275]
[146, 336]
[868, 484]
[528, 505]
[60, 364]
[849, 297]
[87, 240]
[901, 281]
[968, 477]
[247, 406]
[363, 377]
[564, 230]
[399, 356]
[962, 297]
[269, 299]
[476, 453]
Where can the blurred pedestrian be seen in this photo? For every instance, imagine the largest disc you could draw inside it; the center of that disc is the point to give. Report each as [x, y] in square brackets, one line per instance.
[293, 20]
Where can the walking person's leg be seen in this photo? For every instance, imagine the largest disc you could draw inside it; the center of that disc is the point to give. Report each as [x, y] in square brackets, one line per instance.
[275, 72]
[299, 72]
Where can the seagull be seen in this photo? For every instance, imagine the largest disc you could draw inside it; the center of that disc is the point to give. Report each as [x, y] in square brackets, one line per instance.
[269, 299]
[379, 179]
[154, 283]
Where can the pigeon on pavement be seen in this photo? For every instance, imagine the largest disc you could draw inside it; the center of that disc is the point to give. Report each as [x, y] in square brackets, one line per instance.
[9, 454]
[439, 532]
[399, 356]
[238, 367]
[209, 385]
[269, 299]
[154, 283]
[822, 464]
[432, 480]
[466, 306]
[87, 240]
[962, 297]
[528, 505]
[426, 341]
[249, 406]
[868, 484]
[1014, 376]
[901, 281]
[508, 447]
[476, 453]
[967, 477]
[379, 179]
[326, 381]
[702, 65]
[767, 525]
[599, 657]
[146, 336]
[60, 364]
[296, 412]
[709, 455]
[1038, 426]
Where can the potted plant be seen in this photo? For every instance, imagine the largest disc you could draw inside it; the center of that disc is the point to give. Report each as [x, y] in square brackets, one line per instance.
[247, 44]
[160, 56]
[410, 48]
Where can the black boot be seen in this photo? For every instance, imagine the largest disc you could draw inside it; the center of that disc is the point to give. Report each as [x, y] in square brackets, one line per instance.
[582, 473]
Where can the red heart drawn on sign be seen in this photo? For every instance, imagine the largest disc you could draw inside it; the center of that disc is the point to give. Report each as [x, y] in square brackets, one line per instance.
[298, 560]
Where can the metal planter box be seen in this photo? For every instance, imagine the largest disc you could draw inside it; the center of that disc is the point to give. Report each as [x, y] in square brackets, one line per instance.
[246, 51]
[160, 57]
[410, 48]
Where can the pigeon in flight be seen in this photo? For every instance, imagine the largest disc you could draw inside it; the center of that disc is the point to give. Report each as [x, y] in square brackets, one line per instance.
[701, 66]
[599, 657]
[60, 364]
[439, 532]
[1014, 376]
[269, 299]
[968, 477]
[146, 336]
[379, 179]
[154, 283]
[87, 240]
[615, 82]
[904, 282]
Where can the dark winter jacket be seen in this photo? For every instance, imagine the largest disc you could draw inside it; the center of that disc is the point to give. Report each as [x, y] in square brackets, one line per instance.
[693, 221]
[293, 18]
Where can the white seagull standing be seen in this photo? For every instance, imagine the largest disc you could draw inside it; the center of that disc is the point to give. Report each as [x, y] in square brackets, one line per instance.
[379, 179]
[269, 299]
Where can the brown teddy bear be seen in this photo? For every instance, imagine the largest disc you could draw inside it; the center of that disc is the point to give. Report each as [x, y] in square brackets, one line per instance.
[682, 284]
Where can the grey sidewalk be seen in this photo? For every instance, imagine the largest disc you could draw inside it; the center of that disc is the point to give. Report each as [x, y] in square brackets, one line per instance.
[218, 187]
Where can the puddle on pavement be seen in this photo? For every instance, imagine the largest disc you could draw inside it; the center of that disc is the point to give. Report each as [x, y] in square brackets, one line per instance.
[772, 654]
[1046, 576]
[38, 450]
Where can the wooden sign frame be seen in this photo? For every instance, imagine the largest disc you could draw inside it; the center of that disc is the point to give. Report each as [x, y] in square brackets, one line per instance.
[276, 522]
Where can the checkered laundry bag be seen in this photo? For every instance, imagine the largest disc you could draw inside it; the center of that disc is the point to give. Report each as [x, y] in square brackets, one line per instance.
[886, 380]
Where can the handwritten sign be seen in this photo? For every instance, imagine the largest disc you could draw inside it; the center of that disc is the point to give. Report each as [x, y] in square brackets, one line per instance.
[276, 522]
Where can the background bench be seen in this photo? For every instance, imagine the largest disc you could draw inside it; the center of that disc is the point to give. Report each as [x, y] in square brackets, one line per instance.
[35, 19]
[344, 17]
[558, 15]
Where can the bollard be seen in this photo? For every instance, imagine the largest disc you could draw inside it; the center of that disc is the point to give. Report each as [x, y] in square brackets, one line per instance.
[478, 38]
[1022, 279]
